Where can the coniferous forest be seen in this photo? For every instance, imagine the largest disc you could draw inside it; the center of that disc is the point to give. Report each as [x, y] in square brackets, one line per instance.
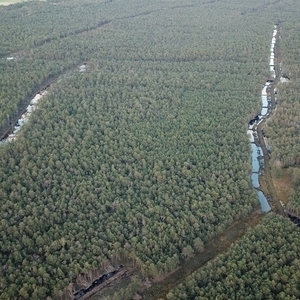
[264, 264]
[139, 150]
[283, 128]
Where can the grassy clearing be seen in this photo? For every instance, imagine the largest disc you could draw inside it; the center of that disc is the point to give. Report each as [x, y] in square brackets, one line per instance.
[283, 185]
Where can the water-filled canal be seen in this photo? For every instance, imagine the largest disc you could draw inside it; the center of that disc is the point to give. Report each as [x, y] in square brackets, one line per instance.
[257, 155]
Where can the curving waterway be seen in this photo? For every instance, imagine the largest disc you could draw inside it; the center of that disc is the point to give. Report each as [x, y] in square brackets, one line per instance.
[13, 129]
[257, 156]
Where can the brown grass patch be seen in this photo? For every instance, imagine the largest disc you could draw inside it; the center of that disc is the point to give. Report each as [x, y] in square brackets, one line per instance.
[283, 185]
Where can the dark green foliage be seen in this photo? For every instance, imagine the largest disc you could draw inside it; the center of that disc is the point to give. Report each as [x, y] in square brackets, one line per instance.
[283, 128]
[145, 154]
[293, 206]
[264, 264]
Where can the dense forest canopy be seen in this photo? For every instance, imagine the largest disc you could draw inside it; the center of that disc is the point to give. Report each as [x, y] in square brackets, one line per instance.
[145, 153]
[283, 128]
[264, 264]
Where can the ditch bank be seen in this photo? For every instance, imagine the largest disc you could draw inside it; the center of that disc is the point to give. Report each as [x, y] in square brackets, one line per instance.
[269, 98]
[12, 123]
[261, 180]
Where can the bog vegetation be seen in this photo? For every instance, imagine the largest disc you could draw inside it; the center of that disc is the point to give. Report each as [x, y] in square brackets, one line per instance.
[144, 154]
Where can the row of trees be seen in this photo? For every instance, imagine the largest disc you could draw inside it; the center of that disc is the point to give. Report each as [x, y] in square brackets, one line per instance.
[264, 264]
